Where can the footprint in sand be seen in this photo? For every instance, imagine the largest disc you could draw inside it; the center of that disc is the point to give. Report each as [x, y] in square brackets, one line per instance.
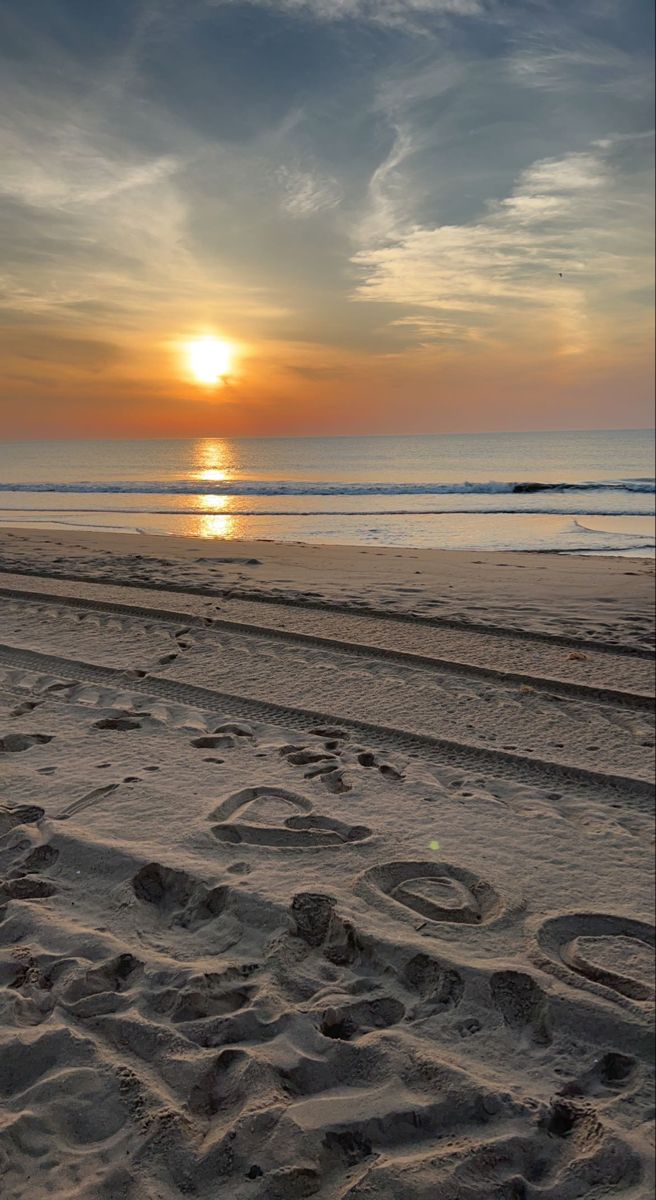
[211, 742]
[522, 1004]
[98, 988]
[436, 986]
[187, 995]
[615, 954]
[23, 814]
[609, 1075]
[568, 1150]
[40, 859]
[318, 924]
[427, 984]
[26, 889]
[333, 763]
[27, 706]
[332, 732]
[436, 891]
[367, 758]
[14, 743]
[175, 893]
[272, 827]
[225, 736]
[122, 724]
[352, 1018]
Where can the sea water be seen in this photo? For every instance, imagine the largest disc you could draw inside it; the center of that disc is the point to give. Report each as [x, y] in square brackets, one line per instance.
[578, 492]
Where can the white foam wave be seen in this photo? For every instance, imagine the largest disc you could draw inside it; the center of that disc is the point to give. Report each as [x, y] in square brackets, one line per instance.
[258, 487]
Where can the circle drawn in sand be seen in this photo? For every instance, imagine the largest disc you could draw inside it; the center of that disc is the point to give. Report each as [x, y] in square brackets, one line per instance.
[271, 827]
[616, 953]
[437, 891]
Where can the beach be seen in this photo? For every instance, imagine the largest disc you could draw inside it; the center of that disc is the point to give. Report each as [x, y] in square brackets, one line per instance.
[327, 601]
[327, 871]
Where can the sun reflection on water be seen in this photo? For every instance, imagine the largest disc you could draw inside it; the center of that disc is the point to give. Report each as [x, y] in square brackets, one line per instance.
[212, 460]
[213, 475]
[214, 502]
[216, 525]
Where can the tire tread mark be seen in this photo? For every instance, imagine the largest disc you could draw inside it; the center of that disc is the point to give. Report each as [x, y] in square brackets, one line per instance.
[447, 750]
[234, 593]
[544, 683]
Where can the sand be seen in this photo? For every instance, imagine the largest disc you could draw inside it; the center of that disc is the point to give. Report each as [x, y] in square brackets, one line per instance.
[326, 871]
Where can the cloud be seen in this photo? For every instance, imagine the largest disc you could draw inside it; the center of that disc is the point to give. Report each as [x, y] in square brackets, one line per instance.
[380, 12]
[83, 354]
[551, 61]
[305, 193]
[549, 261]
[57, 156]
[317, 374]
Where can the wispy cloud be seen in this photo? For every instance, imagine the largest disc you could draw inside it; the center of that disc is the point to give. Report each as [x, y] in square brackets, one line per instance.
[305, 192]
[381, 12]
[549, 62]
[552, 260]
[71, 174]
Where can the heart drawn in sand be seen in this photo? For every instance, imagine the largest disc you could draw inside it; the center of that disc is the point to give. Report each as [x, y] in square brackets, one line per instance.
[270, 826]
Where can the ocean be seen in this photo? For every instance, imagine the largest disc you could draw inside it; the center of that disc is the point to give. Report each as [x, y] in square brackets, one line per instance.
[571, 492]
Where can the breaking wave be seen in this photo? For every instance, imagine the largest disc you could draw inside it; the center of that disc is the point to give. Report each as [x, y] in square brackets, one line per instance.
[259, 487]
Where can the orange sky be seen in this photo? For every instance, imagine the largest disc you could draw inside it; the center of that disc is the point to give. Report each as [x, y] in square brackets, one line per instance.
[411, 217]
[149, 393]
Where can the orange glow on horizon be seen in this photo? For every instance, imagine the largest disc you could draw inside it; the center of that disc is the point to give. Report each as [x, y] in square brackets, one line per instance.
[148, 391]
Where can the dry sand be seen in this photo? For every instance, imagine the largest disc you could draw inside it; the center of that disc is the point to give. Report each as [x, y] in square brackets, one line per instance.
[327, 871]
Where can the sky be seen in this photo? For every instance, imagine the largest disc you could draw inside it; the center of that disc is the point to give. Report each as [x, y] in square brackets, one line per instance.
[402, 216]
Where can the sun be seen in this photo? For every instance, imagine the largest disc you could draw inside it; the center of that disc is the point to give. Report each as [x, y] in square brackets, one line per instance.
[209, 359]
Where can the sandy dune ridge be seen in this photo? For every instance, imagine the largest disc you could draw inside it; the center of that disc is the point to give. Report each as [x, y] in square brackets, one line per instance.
[322, 901]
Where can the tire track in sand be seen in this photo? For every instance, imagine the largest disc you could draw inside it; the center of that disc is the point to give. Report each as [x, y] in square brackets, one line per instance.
[634, 791]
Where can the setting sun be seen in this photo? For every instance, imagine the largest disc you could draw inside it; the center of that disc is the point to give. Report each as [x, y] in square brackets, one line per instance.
[209, 359]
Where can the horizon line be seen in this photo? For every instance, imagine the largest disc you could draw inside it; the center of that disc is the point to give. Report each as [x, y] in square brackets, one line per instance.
[273, 437]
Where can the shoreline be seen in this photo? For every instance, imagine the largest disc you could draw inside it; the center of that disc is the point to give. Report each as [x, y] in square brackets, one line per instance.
[550, 591]
[101, 530]
[635, 544]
